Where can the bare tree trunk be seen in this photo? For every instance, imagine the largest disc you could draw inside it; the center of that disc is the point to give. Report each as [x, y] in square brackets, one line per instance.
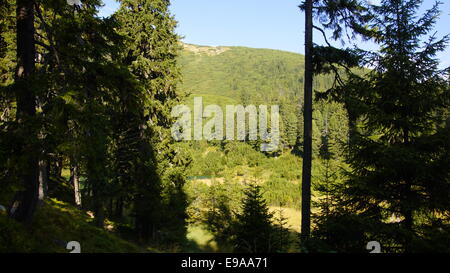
[75, 180]
[408, 210]
[307, 112]
[25, 202]
[57, 167]
[43, 180]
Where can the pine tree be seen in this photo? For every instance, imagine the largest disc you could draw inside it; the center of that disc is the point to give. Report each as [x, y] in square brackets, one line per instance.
[397, 189]
[281, 234]
[101, 91]
[253, 231]
[151, 53]
[220, 217]
[81, 82]
[77, 83]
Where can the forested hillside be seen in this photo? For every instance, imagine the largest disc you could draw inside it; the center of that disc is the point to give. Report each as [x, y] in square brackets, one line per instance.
[89, 155]
[239, 75]
[238, 71]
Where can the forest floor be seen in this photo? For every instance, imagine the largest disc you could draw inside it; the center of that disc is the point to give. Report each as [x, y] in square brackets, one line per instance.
[55, 224]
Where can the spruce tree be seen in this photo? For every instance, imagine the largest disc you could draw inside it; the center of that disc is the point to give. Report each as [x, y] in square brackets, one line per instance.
[82, 83]
[281, 234]
[398, 186]
[77, 83]
[152, 48]
[253, 232]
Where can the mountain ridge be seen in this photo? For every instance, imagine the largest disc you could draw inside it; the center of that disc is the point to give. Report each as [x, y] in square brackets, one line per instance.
[189, 47]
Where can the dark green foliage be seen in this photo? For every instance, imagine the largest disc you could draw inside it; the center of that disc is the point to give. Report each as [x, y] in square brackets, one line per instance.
[345, 18]
[98, 100]
[239, 218]
[219, 218]
[281, 235]
[150, 55]
[104, 92]
[397, 189]
[7, 48]
[253, 230]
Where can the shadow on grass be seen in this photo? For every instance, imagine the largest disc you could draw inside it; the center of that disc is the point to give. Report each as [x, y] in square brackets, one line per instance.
[199, 240]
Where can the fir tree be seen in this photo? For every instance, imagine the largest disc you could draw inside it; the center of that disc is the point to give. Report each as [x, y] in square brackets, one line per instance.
[282, 236]
[151, 53]
[396, 186]
[253, 231]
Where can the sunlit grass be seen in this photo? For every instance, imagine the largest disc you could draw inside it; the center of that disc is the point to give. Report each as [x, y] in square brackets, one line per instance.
[202, 239]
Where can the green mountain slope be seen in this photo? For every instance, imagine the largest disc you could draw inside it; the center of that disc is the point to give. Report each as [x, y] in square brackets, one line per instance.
[235, 71]
[240, 75]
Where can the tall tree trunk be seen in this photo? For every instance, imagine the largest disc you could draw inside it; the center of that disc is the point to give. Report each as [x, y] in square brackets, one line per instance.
[407, 209]
[307, 112]
[95, 161]
[118, 214]
[408, 224]
[25, 202]
[43, 179]
[57, 167]
[75, 180]
[99, 209]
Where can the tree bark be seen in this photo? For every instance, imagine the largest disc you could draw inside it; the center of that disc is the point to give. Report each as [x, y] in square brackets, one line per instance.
[307, 112]
[57, 167]
[25, 202]
[43, 180]
[99, 210]
[407, 209]
[118, 214]
[75, 180]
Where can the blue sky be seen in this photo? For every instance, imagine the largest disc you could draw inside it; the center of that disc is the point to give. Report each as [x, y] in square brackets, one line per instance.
[275, 24]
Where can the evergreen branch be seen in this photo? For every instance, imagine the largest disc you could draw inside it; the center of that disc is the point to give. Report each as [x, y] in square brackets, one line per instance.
[323, 34]
[48, 31]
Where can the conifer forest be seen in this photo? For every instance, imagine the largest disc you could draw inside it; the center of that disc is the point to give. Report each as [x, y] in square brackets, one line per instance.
[118, 136]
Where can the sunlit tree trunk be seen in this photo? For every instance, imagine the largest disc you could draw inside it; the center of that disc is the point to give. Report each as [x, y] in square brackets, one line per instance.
[75, 180]
[43, 179]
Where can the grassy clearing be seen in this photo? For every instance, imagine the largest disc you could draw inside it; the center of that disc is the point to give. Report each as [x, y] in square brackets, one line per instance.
[293, 216]
[200, 240]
